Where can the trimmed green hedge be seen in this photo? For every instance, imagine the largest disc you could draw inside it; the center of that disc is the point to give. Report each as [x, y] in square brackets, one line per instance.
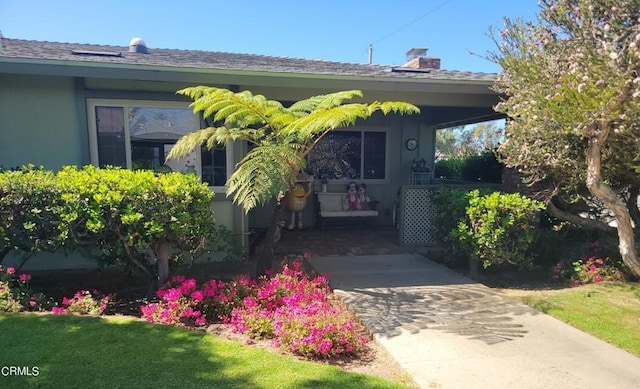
[124, 217]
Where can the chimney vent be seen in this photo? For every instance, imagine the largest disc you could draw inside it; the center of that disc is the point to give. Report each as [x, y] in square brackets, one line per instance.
[138, 45]
[416, 52]
[417, 59]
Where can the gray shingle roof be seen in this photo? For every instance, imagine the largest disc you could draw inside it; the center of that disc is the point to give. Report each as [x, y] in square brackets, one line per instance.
[197, 60]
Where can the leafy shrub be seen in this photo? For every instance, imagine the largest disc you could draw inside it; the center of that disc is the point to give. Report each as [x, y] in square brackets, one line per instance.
[84, 302]
[499, 227]
[451, 204]
[28, 203]
[590, 269]
[123, 217]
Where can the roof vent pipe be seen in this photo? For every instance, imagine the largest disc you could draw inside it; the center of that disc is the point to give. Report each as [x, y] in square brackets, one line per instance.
[138, 45]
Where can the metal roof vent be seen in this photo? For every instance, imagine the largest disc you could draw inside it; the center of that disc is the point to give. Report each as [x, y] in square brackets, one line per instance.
[138, 45]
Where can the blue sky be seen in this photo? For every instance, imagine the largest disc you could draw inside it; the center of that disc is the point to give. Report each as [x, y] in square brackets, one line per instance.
[334, 30]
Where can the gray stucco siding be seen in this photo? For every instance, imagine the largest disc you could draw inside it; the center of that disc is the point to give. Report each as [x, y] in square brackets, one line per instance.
[40, 122]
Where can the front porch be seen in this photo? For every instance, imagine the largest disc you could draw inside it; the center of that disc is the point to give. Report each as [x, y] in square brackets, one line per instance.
[361, 240]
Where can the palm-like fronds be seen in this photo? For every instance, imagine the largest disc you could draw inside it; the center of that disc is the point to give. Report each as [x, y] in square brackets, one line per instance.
[263, 173]
[323, 102]
[283, 136]
[244, 109]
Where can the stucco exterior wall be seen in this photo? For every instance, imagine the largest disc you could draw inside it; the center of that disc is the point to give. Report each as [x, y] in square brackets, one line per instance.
[40, 122]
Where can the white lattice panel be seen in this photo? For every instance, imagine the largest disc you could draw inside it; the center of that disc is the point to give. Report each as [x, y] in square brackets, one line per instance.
[417, 216]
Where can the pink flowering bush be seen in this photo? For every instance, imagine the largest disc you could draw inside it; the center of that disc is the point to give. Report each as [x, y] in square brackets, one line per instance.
[16, 295]
[181, 301]
[297, 313]
[291, 308]
[84, 302]
[589, 269]
[317, 329]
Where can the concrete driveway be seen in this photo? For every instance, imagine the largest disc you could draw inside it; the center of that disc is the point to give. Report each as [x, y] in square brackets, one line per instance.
[450, 332]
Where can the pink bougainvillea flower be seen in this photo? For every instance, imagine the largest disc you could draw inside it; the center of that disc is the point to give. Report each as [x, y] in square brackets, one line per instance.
[58, 311]
[188, 286]
[10, 270]
[178, 279]
[25, 277]
[198, 295]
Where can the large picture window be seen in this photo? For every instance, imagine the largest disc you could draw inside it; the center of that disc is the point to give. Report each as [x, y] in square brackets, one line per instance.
[352, 155]
[140, 135]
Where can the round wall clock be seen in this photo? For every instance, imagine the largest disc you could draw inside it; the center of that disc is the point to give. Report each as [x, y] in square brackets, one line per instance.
[411, 144]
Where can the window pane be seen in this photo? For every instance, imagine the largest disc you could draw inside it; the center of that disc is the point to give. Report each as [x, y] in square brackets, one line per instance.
[111, 141]
[337, 155]
[374, 155]
[214, 166]
[146, 155]
[160, 123]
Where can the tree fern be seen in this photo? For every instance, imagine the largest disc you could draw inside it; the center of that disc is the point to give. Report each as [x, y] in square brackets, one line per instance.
[283, 136]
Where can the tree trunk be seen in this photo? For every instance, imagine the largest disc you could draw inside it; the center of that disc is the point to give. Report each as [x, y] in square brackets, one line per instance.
[265, 250]
[162, 256]
[611, 200]
[474, 272]
[632, 205]
[587, 223]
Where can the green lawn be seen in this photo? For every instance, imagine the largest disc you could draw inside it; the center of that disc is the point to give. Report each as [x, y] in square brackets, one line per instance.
[92, 352]
[610, 312]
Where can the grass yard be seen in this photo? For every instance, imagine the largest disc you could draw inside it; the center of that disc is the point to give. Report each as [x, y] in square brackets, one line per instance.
[609, 311]
[115, 352]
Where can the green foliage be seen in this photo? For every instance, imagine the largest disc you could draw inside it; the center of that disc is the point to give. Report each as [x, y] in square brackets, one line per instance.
[450, 168]
[129, 214]
[123, 217]
[451, 204]
[482, 168]
[281, 137]
[28, 202]
[572, 93]
[499, 227]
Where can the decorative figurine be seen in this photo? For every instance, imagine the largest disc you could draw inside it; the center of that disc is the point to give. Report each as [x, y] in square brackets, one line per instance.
[296, 202]
[351, 199]
[363, 199]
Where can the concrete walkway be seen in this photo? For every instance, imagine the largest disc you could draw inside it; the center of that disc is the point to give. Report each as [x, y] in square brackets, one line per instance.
[450, 332]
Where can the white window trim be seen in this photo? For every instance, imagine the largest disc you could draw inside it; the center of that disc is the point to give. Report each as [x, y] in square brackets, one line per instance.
[124, 103]
[387, 164]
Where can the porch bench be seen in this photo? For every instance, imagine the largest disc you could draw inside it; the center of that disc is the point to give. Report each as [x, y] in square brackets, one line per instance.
[332, 207]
